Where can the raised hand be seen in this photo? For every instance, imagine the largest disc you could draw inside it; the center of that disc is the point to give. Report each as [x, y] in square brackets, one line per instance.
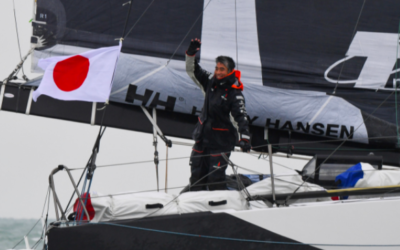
[193, 47]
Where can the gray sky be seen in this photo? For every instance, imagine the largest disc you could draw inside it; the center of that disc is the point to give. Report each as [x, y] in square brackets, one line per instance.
[32, 146]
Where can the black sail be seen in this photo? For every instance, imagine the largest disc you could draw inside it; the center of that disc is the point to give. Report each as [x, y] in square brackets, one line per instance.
[316, 73]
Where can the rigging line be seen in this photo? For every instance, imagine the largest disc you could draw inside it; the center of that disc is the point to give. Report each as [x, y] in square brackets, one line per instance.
[354, 32]
[278, 177]
[44, 226]
[87, 194]
[273, 162]
[334, 151]
[16, 30]
[144, 12]
[253, 171]
[348, 149]
[152, 161]
[45, 200]
[188, 32]
[128, 163]
[242, 188]
[79, 206]
[83, 173]
[36, 244]
[237, 60]
[238, 239]
[282, 180]
[160, 189]
[89, 170]
[149, 161]
[26, 234]
[310, 142]
[139, 162]
[255, 154]
[264, 153]
[239, 180]
[47, 196]
[190, 185]
[395, 81]
[127, 17]
[47, 217]
[154, 190]
[166, 168]
[80, 179]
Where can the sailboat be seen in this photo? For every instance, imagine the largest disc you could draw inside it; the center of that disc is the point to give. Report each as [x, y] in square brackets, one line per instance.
[320, 80]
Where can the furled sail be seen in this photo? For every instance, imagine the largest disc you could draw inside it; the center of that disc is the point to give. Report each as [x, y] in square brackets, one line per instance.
[316, 73]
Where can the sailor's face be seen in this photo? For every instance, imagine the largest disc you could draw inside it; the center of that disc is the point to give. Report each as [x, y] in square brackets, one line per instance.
[220, 71]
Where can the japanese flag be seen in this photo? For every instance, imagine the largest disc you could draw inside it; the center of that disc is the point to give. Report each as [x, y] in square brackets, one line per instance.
[84, 77]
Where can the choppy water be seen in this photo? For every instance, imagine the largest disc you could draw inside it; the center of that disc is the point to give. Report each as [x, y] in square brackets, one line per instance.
[13, 230]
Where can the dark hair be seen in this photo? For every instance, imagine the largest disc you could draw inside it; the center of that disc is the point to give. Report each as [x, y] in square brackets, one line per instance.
[227, 61]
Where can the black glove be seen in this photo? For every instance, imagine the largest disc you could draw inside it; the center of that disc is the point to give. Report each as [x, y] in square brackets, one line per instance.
[244, 145]
[193, 47]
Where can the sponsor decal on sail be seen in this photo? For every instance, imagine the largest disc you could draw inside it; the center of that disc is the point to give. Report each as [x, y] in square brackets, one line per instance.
[329, 130]
[378, 49]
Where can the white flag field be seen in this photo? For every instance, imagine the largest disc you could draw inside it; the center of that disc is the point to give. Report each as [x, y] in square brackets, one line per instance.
[84, 77]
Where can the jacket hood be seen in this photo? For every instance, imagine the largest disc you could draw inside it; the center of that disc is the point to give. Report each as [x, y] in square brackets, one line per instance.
[235, 74]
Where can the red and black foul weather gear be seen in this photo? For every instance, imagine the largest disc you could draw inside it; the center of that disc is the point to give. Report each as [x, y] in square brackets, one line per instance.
[215, 131]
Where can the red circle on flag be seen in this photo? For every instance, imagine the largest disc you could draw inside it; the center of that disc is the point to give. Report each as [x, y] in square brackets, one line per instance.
[69, 74]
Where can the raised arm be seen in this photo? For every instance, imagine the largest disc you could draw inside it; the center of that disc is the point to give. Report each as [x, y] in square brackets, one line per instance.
[193, 69]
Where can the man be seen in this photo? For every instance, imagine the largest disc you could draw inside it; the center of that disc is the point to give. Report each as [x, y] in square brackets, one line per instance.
[214, 133]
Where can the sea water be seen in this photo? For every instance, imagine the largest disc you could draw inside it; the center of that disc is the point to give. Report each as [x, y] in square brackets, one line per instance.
[13, 230]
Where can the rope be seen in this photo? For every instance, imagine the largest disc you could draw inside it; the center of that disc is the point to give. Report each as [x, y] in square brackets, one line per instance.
[152, 161]
[174, 188]
[178, 158]
[354, 32]
[236, 37]
[322, 141]
[144, 12]
[47, 217]
[37, 243]
[16, 30]
[97, 143]
[26, 234]
[395, 96]
[154, 190]
[189, 189]
[127, 17]
[44, 205]
[278, 177]
[79, 207]
[166, 169]
[238, 179]
[198, 17]
[265, 159]
[240, 240]
[87, 194]
[80, 179]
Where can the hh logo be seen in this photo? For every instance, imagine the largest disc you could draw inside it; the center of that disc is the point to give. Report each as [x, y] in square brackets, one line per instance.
[131, 96]
[380, 50]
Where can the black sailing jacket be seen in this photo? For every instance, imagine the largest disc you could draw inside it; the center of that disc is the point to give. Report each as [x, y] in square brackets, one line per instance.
[223, 98]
